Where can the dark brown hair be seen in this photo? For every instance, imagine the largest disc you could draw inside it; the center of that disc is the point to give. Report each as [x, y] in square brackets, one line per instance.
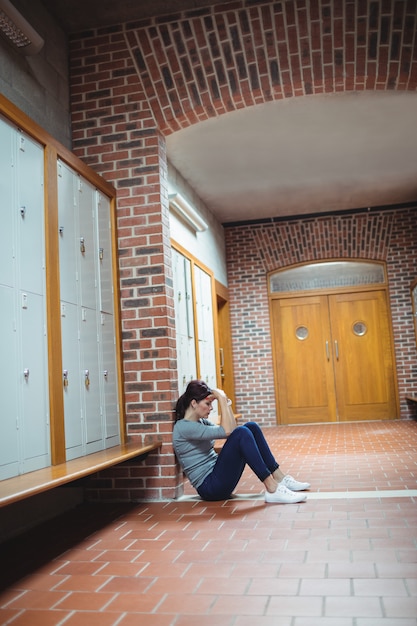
[196, 390]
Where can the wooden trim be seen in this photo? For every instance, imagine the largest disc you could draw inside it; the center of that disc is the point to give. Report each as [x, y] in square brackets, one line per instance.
[117, 321]
[191, 257]
[226, 375]
[56, 397]
[221, 291]
[393, 353]
[26, 485]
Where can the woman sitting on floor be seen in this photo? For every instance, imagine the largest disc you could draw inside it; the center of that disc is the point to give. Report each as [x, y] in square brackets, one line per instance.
[215, 476]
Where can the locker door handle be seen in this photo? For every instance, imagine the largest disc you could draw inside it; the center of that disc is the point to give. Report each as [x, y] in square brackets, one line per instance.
[65, 378]
[336, 346]
[327, 351]
[82, 245]
[106, 374]
[87, 378]
[26, 374]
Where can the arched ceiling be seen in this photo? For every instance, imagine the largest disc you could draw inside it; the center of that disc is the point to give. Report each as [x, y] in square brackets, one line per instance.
[295, 156]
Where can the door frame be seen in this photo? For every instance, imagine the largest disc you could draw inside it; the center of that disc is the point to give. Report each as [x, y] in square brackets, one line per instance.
[382, 286]
[225, 349]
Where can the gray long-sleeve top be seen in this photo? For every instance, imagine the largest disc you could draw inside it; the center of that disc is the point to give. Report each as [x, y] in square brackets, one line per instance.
[194, 446]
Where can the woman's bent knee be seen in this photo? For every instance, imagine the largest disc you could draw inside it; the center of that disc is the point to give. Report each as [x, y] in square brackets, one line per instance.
[252, 426]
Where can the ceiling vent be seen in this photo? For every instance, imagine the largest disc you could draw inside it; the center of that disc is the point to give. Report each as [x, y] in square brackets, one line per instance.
[17, 30]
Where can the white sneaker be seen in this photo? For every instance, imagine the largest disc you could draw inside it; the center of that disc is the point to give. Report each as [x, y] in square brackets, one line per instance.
[284, 496]
[293, 484]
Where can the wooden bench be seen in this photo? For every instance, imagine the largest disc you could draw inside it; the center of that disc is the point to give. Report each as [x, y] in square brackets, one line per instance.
[26, 485]
[411, 398]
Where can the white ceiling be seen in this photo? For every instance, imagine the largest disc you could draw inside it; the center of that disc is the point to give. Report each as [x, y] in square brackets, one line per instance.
[303, 155]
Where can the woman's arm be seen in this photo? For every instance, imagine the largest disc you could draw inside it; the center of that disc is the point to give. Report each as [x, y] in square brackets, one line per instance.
[227, 419]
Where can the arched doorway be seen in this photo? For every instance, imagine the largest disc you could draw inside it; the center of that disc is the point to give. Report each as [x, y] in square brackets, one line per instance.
[332, 343]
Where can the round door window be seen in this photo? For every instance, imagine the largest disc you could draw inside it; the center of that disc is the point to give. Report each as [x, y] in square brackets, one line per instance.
[301, 333]
[359, 329]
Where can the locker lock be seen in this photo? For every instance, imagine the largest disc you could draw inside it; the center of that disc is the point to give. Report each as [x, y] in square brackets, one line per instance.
[65, 378]
[23, 211]
[101, 253]
[87, 378]
[26, 374]
[82, 245]
[106, 374]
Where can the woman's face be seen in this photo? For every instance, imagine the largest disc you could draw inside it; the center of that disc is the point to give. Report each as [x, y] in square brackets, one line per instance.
[204, 407]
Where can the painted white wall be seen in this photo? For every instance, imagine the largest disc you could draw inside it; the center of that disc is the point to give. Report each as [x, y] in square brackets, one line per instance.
[207, 246]
[39, 85]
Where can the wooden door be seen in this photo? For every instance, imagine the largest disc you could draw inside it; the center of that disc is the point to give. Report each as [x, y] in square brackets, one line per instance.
[304, 369]
[333, 357]
[363, 360]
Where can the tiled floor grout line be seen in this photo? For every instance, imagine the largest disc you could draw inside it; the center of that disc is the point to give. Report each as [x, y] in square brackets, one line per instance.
[323, 495]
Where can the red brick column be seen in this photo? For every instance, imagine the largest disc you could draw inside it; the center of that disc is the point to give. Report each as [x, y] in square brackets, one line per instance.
[116, 134]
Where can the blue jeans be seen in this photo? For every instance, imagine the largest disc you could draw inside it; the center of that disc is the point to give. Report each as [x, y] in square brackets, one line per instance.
[245, 445]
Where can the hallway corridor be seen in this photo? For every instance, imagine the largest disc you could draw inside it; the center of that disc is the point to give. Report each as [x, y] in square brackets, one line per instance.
[346, 557]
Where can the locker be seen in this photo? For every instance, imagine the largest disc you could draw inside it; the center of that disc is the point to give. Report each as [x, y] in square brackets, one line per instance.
[7, 235]
[30, 251]
[71, 381]
[87, 248]
[187, 367]
[91, 405]
[183, 295]
[89, 372]
[104, 254]
[90, 380]
[184, 320]
[108, 378]
[206, 345]
[32, 384]
[9, 442]
[25, 431]
[67, 233]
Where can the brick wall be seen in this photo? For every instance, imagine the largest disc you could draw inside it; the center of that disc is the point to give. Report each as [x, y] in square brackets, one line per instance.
[134, 84]
[388, 236]
[115, 133]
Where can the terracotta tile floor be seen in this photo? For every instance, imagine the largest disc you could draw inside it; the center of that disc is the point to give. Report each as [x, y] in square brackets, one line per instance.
[346, 557]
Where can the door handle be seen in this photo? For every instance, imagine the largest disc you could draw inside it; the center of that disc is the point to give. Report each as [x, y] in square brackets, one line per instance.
[336, 346]
[327, 351]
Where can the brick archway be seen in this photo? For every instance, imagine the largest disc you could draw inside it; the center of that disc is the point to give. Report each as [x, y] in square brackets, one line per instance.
[207, 62]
